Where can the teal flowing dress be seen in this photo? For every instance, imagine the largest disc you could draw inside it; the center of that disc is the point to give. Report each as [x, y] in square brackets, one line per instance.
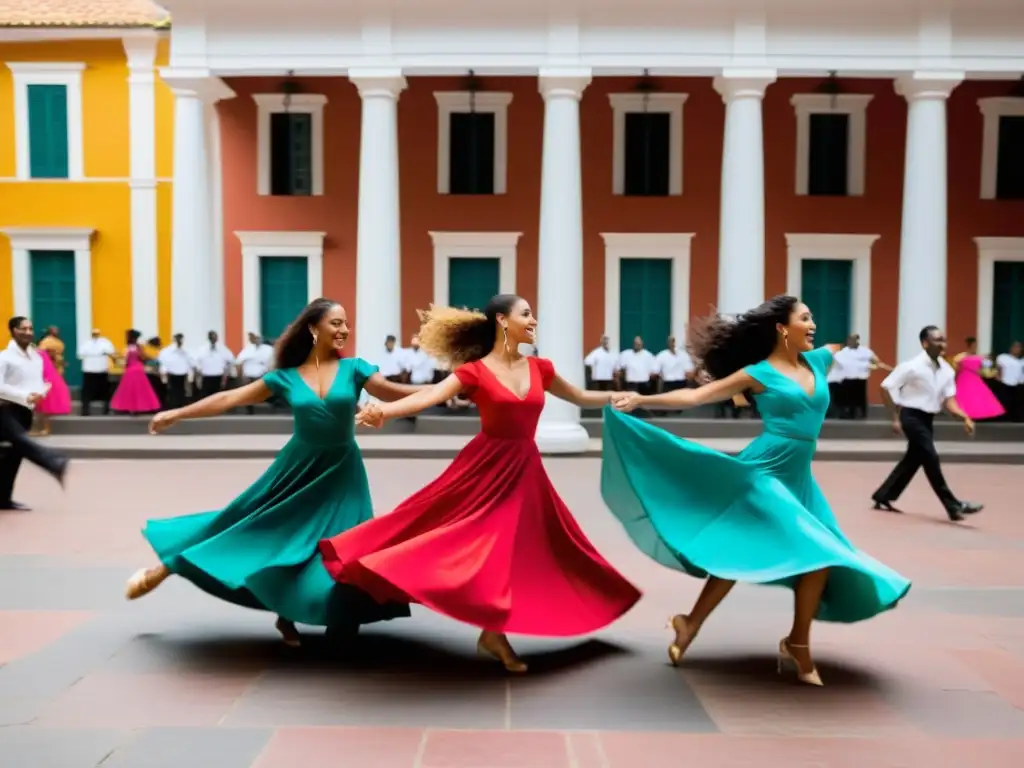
[759, 517]
[261, 550]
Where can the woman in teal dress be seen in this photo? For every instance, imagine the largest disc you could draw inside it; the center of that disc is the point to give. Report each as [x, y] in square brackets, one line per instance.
[261, 550]
[759, 517]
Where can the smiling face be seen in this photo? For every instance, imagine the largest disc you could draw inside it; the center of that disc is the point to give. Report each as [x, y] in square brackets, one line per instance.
[23, 333]
[799, 331]
[332, 331]
[519, 324]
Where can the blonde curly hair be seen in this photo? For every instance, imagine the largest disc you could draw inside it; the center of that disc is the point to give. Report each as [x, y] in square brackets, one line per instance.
[458, 336]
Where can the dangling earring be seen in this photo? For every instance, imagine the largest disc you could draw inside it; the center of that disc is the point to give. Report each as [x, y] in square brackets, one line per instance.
[316, 358]
[785, 339]
[504, 334]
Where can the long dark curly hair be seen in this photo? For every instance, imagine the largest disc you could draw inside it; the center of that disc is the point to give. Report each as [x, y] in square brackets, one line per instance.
[724, 344]
[296, 343]
[459, 336]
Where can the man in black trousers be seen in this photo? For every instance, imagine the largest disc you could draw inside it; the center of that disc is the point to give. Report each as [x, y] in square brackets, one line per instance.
[21, 388]
[914, 393]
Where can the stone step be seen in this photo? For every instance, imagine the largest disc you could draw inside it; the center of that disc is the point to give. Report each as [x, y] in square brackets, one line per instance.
[377, 446]
[946, 429]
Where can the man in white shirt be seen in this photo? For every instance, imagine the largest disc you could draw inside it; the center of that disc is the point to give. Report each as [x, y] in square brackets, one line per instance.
[1010, 389]
[213, 362]
[176, 367]
[601, 365]
[255, 360]
[674, 366]
[637, 366]
[420, 366]
[914, 393]
[856, 364]
[21, 388]
[391, 362]
[96, 355]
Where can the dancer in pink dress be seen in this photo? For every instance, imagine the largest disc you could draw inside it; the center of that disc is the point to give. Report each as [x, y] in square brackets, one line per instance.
[972, 393]
[134, 394]
[58, 399]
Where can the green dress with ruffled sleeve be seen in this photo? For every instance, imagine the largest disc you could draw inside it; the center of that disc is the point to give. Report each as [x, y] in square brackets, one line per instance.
[758, 517]
[260, 551]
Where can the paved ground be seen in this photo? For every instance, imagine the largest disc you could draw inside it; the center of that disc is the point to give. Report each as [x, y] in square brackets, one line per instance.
[179, 679]
[377, 446]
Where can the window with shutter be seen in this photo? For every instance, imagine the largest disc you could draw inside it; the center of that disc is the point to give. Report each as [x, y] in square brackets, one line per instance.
[291, 153]
[829, 155]
[1010, 158]
[471, 154]
[48, 131]
[647, 155]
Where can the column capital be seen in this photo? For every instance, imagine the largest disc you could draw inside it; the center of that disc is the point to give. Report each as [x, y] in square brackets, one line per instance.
[567, 82]
[928, 85]
[196, 83]
[744, 83]
[387, 82]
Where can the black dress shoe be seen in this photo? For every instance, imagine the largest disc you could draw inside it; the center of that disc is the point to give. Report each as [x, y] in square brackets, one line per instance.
[955, 512]
[970, 508]
[885, 506]
[14, 506]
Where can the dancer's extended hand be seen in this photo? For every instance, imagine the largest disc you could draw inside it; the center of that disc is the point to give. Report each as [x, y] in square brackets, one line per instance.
[370, 416]
[162, 421]
[625, 401]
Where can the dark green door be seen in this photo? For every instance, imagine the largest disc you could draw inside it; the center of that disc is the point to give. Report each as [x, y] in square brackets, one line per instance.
[1007, 306]
[472, 282]
[645, 302]
[53, 303]
[827, 287]
[284, 291]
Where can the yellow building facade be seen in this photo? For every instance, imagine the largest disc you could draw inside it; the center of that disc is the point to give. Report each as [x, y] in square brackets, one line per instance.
[86, 138]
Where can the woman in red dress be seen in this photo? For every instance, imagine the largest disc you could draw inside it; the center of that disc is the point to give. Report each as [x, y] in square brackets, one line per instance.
[489, 542]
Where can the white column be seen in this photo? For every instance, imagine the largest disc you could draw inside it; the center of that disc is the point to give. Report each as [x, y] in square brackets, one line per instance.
[922, 292]
[216, 181]
[741, 220]
[193, 285]
[378, 239]
[560, 258]
[140, 51]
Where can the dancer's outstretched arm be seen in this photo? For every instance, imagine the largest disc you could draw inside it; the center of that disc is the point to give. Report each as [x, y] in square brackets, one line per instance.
[373, 414]
[584, 398]
[214, 405]
[680, 399]
[389, 391]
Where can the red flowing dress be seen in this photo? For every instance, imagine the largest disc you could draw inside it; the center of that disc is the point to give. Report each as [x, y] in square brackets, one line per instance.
[489, 542]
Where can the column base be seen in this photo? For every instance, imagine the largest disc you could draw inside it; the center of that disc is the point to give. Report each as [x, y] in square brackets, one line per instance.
[562, 437]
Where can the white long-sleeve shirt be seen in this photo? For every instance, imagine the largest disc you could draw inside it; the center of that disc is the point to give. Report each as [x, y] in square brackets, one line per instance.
[921, 384]
[21, 375]
[175, 361]
[214, 361]
[255, 360]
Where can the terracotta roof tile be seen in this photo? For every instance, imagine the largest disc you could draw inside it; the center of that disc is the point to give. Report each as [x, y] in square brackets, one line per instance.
[82, 13]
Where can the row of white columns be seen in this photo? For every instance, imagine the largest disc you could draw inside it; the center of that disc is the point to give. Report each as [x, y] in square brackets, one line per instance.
[922, 289]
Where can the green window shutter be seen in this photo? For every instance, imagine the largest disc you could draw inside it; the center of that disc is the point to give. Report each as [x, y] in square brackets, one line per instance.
[645, 302]
[48, 131]
[472, 282]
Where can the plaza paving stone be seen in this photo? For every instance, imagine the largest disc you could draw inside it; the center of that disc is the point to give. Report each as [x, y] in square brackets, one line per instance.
[179, 679]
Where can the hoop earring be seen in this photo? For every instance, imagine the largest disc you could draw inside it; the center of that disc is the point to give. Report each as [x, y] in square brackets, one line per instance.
[504, 334]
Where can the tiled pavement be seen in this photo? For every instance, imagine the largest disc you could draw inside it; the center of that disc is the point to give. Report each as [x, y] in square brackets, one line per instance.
[178, 679]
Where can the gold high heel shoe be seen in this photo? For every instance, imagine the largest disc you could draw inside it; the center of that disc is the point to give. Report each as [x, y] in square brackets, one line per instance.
[510, 661]
[680, 624]
[139, 585]
[786, 657]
